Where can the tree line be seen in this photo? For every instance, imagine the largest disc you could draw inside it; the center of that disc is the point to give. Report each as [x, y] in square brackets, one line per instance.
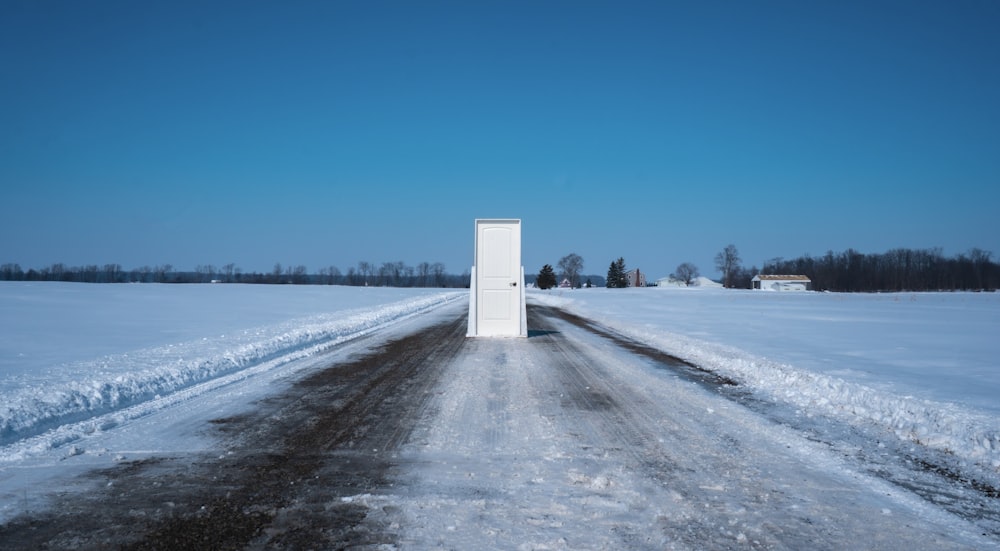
[853, 271]
[848, 271]
[386, 274]
[894, 270]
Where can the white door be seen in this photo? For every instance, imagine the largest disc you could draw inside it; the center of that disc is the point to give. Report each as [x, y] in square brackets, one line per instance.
[498, 274]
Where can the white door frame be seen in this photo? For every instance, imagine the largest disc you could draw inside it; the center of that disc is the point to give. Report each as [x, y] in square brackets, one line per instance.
[496, 290]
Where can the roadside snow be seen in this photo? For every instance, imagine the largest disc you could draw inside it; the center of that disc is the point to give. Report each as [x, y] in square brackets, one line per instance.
[924, 366]
[192, 335]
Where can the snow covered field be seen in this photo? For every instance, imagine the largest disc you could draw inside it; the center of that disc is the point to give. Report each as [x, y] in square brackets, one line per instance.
[923, 365]
[83, 368]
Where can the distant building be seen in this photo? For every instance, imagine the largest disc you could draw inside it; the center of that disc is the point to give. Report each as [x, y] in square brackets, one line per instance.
[668, 282]
[781, 282]
[634, 278]
[565, 284]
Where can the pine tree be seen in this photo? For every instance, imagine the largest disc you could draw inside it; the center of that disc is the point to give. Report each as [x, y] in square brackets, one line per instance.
[616, 274]
[546, 277]
[613, 276]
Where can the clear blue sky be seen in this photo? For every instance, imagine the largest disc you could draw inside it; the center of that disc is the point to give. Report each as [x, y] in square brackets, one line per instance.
[325, 133]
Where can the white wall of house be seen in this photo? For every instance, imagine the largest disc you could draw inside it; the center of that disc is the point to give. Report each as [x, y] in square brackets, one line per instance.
[781, 283]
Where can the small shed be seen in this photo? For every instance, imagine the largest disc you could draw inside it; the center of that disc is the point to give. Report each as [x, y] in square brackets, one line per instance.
[781, 282]
[565, 284]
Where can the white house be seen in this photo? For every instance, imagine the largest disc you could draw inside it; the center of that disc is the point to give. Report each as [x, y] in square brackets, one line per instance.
[781, 282]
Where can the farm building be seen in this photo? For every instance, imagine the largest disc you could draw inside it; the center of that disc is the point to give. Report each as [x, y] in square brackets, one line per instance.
[781, 282]
[635, 278]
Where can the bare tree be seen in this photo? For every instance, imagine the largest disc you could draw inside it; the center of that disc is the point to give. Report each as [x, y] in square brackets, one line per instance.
[385, 273]
[90, 272]
[112, 273]
[205, 273]
[728, 262]
[161, 272]
[423, 274]
[11, 272]
[398, 268]
[980, 260]
[687, 273]
[438, 270]
[365, 271]
[332, 274]
[570, 267]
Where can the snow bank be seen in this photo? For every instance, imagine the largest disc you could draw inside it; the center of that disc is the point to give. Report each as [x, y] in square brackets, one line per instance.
[87, 389]
[943, 426]
[864, 388]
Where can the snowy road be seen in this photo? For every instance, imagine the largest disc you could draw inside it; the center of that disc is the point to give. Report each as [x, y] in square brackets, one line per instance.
[570, 439]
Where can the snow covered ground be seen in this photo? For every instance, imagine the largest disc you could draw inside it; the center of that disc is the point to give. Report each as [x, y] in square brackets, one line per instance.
[92, 374]
[84, 366]
[69, 352]
[923, 365]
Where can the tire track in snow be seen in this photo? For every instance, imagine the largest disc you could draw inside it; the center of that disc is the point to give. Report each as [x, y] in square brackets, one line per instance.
[599, 448]
[935, 477]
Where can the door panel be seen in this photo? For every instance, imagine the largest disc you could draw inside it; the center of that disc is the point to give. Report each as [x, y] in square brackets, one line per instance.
[498, 262]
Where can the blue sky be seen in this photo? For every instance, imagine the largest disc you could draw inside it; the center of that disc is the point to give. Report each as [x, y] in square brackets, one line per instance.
[326, 133]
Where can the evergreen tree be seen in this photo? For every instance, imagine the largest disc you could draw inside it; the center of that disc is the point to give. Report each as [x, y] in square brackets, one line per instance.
[546, 277]
[616, 275]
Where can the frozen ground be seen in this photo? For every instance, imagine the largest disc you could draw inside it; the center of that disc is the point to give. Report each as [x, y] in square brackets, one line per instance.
[567, 439]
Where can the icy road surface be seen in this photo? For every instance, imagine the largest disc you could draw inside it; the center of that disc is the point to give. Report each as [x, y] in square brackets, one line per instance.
[568, 441]
[573, 438]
